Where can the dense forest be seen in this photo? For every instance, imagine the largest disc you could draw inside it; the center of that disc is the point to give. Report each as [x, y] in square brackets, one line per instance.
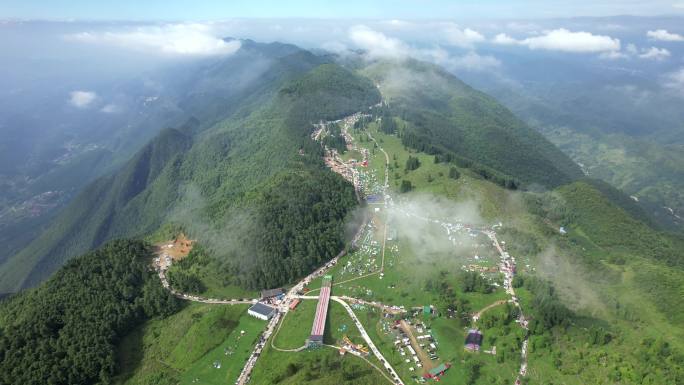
[66, 330]
[298, 226]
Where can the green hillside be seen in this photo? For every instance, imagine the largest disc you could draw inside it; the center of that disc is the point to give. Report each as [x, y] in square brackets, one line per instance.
[204, 177]
[446, 116]
[67, 330]
[104, 210]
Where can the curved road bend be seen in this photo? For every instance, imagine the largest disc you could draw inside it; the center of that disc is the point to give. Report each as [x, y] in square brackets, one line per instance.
[369, 341]
[357, 354]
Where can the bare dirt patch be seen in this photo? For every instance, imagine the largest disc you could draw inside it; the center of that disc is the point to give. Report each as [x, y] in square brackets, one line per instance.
[422, 356]
[176, 249]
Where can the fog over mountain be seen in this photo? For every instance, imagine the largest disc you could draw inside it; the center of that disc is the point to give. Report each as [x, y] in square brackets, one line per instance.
[464, 192]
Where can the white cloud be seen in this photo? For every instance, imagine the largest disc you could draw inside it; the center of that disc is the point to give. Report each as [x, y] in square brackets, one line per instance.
[564, 40]
[504, 39]
[464, 38]
[379, 45]
[568, 41]
[82, 99]
[376, 43]
[174, 39]
[654, 53]
[631, 51]
[110, 109]
[664, 35]
[675, 81]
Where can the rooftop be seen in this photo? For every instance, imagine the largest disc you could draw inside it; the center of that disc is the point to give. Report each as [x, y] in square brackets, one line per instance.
[474, 337]
[271, 292]
[439, 369]
[262, 309]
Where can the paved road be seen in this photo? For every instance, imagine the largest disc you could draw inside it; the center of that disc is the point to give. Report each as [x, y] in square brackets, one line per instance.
[358, 354]
[369, 341]
[381, 306]
[244, 376]
[508, 266]
[196, 298]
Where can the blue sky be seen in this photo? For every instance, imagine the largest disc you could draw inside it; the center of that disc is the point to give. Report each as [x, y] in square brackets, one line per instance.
[379, 9]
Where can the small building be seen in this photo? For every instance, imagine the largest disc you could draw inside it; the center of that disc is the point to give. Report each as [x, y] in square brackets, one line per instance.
[294, 304]
[473, 340]
[261, 311]
[270, 293]
[437, 371]
[314, 341]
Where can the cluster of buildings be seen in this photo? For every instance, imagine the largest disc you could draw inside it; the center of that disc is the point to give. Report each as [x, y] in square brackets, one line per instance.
[263, 309]
[413, 348]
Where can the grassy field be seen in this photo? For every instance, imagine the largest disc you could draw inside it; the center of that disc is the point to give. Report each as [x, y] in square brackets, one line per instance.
[322, 366]
[184, 347]
[296, 327]
[315, 366]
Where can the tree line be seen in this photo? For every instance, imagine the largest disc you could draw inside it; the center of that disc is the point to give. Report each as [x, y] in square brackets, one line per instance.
[66, 330]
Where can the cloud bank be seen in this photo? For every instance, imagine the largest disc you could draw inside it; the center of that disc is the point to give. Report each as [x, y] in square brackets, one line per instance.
[654, 53]
[82, 99]
[565, 41]
[664, 35]
[464, 38]
[378, 45]
[171, 39]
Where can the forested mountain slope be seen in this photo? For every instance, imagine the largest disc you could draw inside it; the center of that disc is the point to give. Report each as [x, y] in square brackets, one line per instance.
[66, 331]
[48, 166]
[199, 177]
[107, 208]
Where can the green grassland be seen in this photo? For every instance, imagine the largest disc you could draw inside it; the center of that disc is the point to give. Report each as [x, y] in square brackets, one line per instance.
[607, 272]
[296, 326]
[447, 116]
[184, 347]
[322, 366]
[317, 366]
